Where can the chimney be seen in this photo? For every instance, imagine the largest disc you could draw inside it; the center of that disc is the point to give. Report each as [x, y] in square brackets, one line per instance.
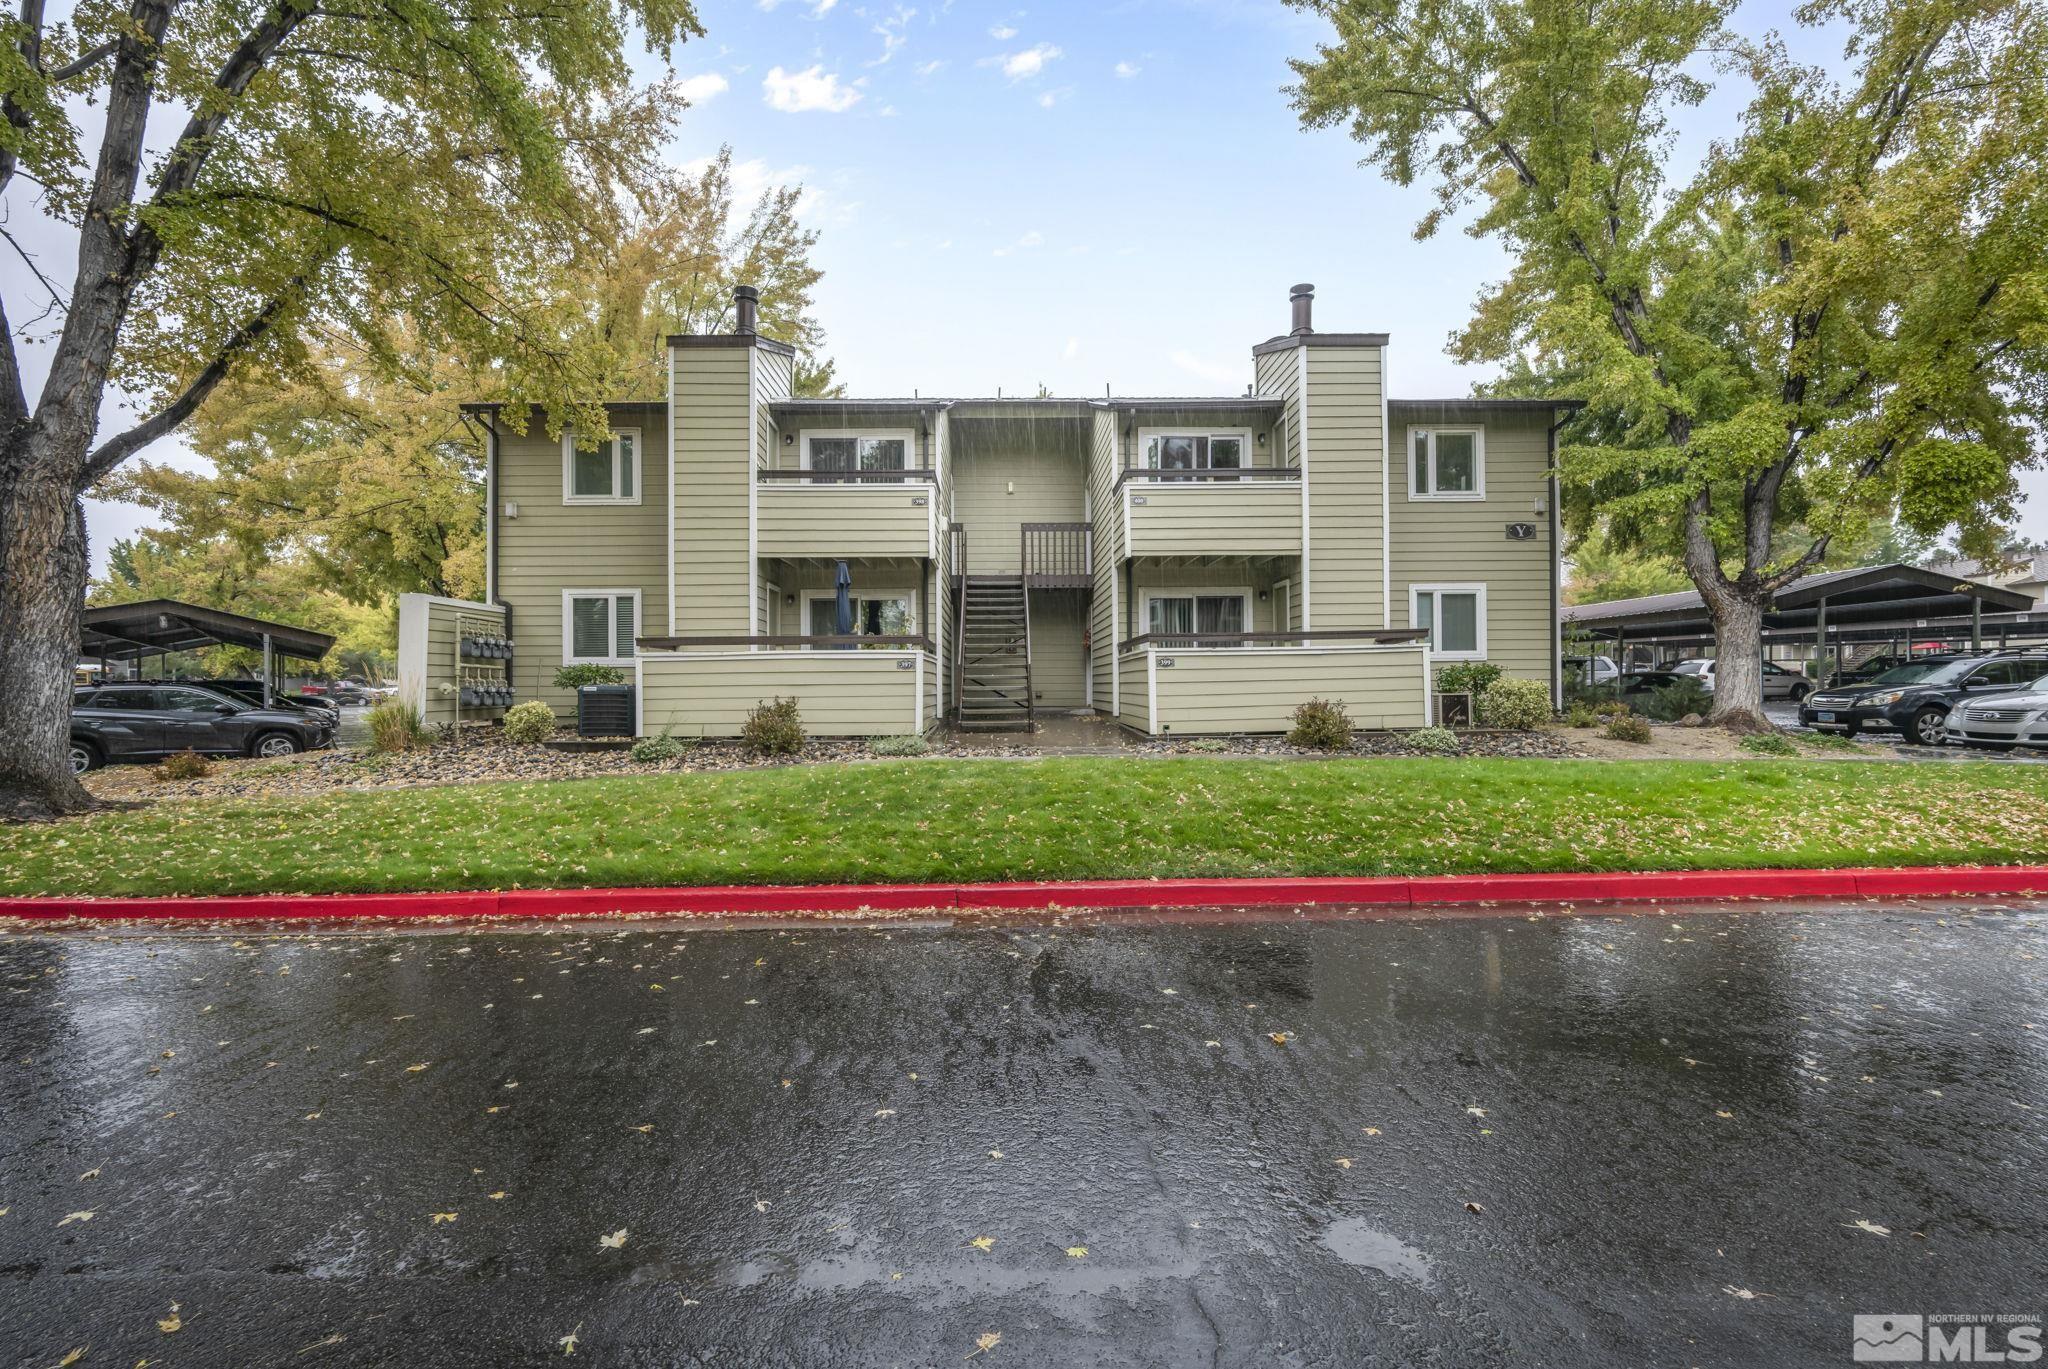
[1303, 298]
[746, 303]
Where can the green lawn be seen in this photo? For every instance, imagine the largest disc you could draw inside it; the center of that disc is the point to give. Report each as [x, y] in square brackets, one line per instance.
[1054, 819]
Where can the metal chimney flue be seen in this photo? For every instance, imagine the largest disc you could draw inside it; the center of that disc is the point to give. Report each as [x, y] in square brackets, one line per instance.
[746, 304]
[1303, 298]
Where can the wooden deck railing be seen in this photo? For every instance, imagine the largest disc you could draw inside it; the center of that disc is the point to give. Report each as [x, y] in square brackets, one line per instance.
[769, 476]
[1056, 555]
[1203, 474]
[782, 642]
[1186, 640]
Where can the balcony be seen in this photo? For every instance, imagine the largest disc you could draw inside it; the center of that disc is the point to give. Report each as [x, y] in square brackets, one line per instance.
[1255, 511]
[1250, 682]
[844, 686]
[845, 515]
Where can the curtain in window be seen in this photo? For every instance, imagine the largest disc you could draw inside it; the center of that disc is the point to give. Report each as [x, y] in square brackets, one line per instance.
[1460, 629]
[1220, 613]
[1455, 464]
[591, 472]
[834, 453]
[881, 453]
[590, 627]
[627, 629]
[1170, 616]
[626, 456]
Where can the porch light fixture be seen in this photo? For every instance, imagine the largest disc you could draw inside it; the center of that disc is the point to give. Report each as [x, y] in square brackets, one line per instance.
[511, 508]
[1262, 439]
[789, 439]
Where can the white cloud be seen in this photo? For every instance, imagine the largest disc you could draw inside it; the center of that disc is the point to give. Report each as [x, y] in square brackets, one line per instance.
[821, 8]
[894, 34]
[1030, 240]
[1215, 372]
[1072, 349]
[1002, 33]
[927, 68]
[1030, 62]
[814, 88]
[1127, 70]
[698, 89]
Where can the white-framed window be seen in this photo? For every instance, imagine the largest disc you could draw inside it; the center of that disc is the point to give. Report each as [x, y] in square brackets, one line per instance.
[1174, 613]
[1455, 617]
[855, 450]
[1162, 449]
[883, 614]
[1447, 463]
[608, 473]
[599, 625]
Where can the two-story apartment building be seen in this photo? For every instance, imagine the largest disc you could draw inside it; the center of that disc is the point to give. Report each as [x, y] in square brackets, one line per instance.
[1183, 564]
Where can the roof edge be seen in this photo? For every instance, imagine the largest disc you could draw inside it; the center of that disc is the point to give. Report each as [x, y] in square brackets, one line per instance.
[695, 340]
[1291, 340]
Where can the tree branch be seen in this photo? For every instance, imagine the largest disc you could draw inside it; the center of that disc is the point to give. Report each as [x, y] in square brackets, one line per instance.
[13, 399]
[84, 63]
[113, 452]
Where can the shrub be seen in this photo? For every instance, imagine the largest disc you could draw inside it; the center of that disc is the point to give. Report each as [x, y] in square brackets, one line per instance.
[1612, 709]
[899, 746]
[532, 721]
[1768, 744]
[576, 676]
[1829, 741]
[773, 729]
[1320, 725]
[1581, 714]
[184, 765]
[1516, 704]
[1466, 677]
[655, 750]
[1629, 728]
[1674, 701]
[395, 726]
[1437, 741]
[1208, 744]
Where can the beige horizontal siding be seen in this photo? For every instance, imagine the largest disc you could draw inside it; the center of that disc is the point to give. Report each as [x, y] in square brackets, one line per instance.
[1059, 670]
[1256, 689]
[847, 520]
[1254, 518]
[838, 693]
[1439, 541]
[1104, 612]
[1137, 711]
[995, 494]
[552, 546]
[445, 662]
[714, 480]
[1347, 569]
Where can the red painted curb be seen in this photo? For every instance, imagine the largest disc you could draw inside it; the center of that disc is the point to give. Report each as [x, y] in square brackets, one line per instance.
[1379, 891]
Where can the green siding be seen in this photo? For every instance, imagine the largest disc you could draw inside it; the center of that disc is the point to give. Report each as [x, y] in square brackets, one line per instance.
[552, 546]
[1465, 541]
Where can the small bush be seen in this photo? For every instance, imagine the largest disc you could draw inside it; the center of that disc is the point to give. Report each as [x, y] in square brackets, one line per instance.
[1466, 677]
[1829, 741]
[577, 676]
[773, 729]
[1208, 744]
[532, 721]
[185, 765]
[899, 746]
[1437, 741]
[1629, 728]
[1320, 725]
[1581, 714]
[1612, 709]
[1768, 744]
[1516, 704]
[656, 750]
[1674, 701]
[395, 726]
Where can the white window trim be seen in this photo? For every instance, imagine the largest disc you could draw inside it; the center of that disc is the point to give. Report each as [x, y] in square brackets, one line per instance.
[1246, 450]
[1151, 592]
[569, 495]
[1479, 614]
[569, 596]
[1478, 490]
[805, 437]
[908, 598]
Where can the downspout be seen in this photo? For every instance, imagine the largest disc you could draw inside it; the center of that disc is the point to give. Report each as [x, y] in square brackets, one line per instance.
[490, 427]
[1556, 571]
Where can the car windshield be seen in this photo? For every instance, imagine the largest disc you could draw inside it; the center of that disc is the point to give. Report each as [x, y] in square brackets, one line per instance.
[2039, 686]
[1693, 667]
[1923, 672]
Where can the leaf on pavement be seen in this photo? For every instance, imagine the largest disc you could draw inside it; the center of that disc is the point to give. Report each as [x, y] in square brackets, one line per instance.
[172, 1323]
[75, 1217]
[1864, 1224]
[440, 1217]
[614, 1241]
[986, 1341]
[1077, 1252]
[983, 1243]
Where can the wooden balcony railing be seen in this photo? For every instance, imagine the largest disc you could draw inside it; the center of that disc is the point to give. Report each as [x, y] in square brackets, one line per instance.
[784, 642]
[767, 476]
[1180, 641]
[1213, 476]
[1057, 555]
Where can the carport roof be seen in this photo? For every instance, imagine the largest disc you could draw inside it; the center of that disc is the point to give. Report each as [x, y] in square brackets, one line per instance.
[124, 632]
[1868, 594]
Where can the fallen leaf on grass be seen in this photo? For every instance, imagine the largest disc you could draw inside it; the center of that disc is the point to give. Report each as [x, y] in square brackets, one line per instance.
[614, 1241]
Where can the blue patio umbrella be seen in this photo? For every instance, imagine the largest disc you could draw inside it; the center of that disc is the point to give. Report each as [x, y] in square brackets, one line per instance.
[842, 586]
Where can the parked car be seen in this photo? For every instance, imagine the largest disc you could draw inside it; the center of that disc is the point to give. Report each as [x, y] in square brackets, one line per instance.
[2002, 721]
[139, 722]
[1592, 670]
[349, 694]
[1916, 699]
[251, 692]
[1638, 682]
[1779, 683]
[1865, 671]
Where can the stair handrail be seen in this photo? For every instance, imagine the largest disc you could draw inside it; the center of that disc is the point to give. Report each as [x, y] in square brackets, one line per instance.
[1030, 695]
[959, 569]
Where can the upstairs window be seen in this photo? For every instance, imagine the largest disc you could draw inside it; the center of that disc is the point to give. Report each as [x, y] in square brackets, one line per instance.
[857, 453]
[599, 625]
[1448, 463]
[1193, 451]
[608, 473]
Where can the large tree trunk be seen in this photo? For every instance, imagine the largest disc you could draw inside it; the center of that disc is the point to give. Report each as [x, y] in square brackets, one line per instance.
[1738, 613]
[42, 587]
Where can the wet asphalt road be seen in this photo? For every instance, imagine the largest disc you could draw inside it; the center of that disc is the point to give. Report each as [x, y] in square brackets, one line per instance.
[412, 1149]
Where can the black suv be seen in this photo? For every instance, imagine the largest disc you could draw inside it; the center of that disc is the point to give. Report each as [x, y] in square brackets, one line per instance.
[140, 721]
[1914, 699]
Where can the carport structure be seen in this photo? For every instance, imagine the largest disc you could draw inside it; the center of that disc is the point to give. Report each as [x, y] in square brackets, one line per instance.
[1833, 611]
[157, 627]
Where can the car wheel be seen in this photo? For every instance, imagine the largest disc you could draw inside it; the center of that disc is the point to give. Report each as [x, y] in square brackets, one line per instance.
[275, 744]
[1799, 693]
[1930, 727]
[84, 756]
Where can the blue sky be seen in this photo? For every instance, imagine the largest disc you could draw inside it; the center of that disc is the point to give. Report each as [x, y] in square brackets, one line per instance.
[1076, 194]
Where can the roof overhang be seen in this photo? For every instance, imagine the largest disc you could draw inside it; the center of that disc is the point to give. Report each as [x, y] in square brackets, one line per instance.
[149, 627]
[1874, 594]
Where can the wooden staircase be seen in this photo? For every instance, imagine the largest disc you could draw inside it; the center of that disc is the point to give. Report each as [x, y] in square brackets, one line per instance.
[992, 664]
